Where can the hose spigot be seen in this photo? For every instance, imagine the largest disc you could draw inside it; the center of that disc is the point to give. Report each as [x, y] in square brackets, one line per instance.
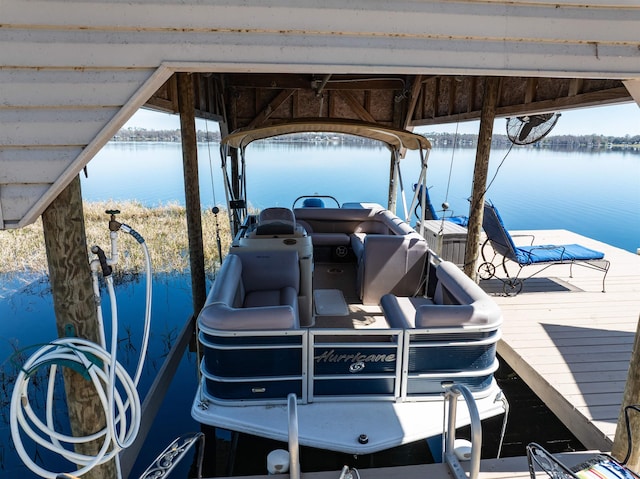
[114, 225]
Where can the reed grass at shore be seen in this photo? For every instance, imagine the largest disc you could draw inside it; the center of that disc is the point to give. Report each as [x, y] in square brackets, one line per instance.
[164, 229]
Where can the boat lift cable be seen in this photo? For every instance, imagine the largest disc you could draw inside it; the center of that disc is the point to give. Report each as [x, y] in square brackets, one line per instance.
[445, 203]
[215, 210]
[115, 388]
[495, 175]
[213, 188]
[232, 213]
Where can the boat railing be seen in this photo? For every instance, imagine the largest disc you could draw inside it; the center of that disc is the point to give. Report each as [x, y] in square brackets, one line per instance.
[318, 364]
[294, 446]
[350, 364]
[451, 396]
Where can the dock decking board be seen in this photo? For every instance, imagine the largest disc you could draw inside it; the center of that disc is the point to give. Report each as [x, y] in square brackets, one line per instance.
[506, 468]
[572, 347]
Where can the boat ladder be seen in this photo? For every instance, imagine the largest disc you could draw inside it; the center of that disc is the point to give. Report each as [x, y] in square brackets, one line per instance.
[451, 395]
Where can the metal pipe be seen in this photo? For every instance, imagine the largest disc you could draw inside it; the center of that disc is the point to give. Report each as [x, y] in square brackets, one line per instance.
[294, 455]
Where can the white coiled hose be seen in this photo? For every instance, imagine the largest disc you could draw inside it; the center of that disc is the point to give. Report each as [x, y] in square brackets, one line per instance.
[115, 388]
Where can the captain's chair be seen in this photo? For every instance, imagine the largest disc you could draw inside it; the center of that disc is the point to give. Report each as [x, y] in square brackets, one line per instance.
[276, 221]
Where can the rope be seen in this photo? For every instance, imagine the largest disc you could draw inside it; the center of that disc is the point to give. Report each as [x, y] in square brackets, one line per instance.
[453, 153]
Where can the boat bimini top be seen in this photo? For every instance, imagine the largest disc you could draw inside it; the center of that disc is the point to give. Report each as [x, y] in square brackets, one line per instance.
[395, 139]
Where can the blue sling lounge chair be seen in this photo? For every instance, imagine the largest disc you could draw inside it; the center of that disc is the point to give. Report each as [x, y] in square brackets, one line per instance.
[548, 255]
[430, 211]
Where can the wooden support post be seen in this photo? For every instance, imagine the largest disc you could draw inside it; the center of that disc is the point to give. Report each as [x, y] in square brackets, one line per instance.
[192, 188]
[631, 397]
[481, 168]
[75, 309]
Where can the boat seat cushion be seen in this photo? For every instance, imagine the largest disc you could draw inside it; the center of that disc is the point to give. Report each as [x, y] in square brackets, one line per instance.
[254, 290]
[357, 244]
[269, 270]
[400, 311]
[458, 301]
[273, 297]
[228, 287]
[455, 287]
[391, 264]
[325, 238]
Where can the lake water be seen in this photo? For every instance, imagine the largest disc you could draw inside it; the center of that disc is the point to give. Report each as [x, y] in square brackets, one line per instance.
[594, 194]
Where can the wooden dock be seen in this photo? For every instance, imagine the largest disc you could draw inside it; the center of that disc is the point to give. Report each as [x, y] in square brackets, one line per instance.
[570, 342]
[506, 468]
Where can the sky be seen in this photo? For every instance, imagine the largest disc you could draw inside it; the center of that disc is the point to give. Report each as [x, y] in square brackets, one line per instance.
[616, 120]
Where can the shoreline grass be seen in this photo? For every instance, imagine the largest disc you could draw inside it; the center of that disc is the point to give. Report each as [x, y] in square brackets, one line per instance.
[164, 229]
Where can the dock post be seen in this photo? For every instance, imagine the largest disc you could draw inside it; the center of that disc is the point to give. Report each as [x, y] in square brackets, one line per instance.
[631, 397]
[75, 310]
[488, 114]
[192, 188]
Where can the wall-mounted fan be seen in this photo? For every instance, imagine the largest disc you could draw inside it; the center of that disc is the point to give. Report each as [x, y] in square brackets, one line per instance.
[524, 130]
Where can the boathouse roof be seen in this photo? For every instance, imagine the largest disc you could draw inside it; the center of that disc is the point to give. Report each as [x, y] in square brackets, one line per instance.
[73, 73]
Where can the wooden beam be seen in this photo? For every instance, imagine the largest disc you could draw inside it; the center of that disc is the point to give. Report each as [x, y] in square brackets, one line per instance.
[599, 98]
[271, 107]
[76, 315]
[575, 86]
[191, 189]
[491, 88]
[307, 82]
[413, 101]
[357, 108]
[530, 93]
[453, 84]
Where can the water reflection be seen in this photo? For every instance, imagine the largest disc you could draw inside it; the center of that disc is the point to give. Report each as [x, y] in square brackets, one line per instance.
[28, 320]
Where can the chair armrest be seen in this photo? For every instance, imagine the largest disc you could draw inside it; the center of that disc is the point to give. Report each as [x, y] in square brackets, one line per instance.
[533, 238]
[223, 317]
[439, 315]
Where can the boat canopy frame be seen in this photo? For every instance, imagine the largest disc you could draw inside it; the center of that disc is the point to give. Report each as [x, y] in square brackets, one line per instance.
[395, 139]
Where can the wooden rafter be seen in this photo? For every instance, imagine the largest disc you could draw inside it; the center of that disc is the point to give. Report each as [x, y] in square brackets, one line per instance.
[357, 108]
[271, 107]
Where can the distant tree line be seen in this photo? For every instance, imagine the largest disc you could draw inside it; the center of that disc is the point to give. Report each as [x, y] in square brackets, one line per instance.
[438, 140]
[142, 134]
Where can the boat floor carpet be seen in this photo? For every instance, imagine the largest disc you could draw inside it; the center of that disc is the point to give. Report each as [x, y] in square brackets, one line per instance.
[342, 277]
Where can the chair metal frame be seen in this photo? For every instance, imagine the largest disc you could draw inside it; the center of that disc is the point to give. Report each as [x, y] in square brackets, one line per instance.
[502, 244]
[538, 456]
[555, 469]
